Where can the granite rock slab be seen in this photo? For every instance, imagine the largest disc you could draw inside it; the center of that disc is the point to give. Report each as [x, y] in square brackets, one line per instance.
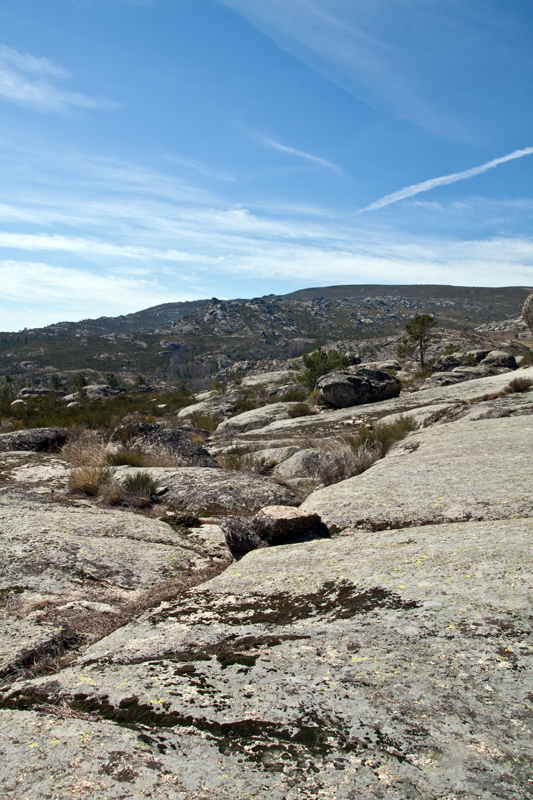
[393, 664]
[463, 470]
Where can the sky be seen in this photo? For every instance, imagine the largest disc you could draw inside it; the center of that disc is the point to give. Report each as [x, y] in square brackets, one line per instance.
[167, 150]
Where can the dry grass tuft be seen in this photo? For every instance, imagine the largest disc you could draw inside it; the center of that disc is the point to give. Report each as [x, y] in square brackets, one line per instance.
[518, 385]
[85, 449]
[88, 480]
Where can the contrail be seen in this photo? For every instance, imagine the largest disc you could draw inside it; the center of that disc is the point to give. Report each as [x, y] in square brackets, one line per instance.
[425, 186]
[293, 151]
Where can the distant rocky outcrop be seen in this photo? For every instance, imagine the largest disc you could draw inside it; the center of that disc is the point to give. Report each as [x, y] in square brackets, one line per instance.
[357, 387]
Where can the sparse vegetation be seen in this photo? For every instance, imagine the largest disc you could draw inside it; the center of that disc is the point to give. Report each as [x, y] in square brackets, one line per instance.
[205, 422]
[126, 458]
[88, 480]
[527, 360]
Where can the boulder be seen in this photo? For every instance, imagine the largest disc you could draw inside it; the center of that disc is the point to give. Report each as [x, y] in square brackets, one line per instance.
[499, 358]
[527, 312]
[443, 473]
[272, 525]
[257, 418]
[306, 463]
[220, 492]
[346, 388]
[36, 439]
[240, 535]
[18, 403]
[390, 664]
[159, 440]
[221, 405]
[97, 390]
[276, 524]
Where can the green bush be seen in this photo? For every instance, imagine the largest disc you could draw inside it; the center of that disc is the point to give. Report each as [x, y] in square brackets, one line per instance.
[294, 396]
[320, 363]
[139, 488]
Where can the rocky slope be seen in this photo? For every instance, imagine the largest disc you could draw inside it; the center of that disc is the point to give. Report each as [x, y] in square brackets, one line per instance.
[390, 659]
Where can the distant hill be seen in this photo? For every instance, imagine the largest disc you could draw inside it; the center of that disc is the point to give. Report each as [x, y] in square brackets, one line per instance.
[202, 337]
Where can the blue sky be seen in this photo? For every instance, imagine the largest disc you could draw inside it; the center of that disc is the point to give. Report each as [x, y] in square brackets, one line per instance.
[167, 150]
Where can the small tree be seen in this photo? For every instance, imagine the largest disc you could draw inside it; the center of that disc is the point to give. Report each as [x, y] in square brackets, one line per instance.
[7, 391]
[418, 337]
[320, 363]
[55, 382]
[112, 380]
[139, 380]
[79, 382]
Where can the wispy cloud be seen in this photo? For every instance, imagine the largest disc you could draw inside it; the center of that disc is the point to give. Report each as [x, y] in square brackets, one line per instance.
[444, 180]
[293, 151]
[202, 169]
[27, 81]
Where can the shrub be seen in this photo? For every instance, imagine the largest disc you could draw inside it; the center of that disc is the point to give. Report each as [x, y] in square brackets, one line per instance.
[126, 458]
[294, 396]
[205, 423]
[384, 434]
[519, 385]
[112, 380]
[300, 410]
[237, 459]
[139, 488]
[527, 360]
[320, 363]
[243, 404]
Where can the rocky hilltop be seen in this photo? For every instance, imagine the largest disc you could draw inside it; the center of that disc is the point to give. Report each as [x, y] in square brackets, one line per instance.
[332, 602]
[200, 340]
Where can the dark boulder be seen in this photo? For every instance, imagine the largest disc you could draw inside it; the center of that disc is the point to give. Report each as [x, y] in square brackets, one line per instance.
[159, 440]
[272, 525]
[353, 388]
[34, 439]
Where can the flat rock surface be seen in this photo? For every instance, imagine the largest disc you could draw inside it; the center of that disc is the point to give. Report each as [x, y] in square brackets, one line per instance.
[39, 471]
[463, 470]
[390, 665]
[68, 566]
[204, 491]
[257, 418]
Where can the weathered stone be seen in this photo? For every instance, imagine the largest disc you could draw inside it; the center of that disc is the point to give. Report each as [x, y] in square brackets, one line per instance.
[254, 419]
[267, 378]
[45, 472]
[70, 567]
[221, 405]
[527, 312]
[499, 358]
[351, 388]
[159, 440]
[444, 473]
[96, 390]
[240, 535]
[389, 664]
[275, 524]
[307, 463]
[36, 439]
[220, 492]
